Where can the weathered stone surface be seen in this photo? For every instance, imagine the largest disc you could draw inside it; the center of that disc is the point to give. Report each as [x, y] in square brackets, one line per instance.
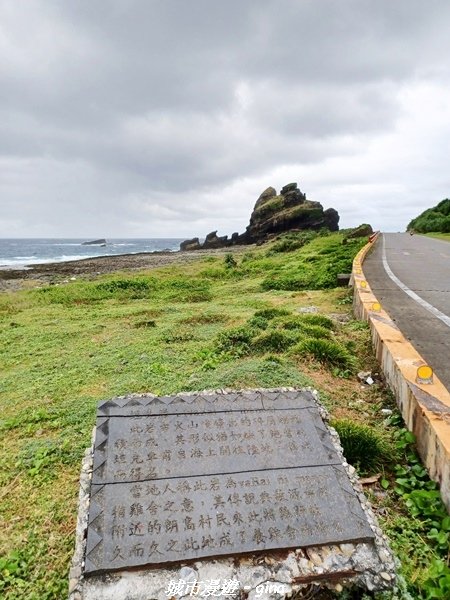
[187, 445]
[331, 219]
[361, 231]
[193, 244]
[179, 478]
[268, 193]
[290, 187]
[212, 240]
[335, 566]
[146, 404]
[170, 520]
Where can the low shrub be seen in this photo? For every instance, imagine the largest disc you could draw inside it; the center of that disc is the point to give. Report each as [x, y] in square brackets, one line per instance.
[236, 340]
[258, 322]
[177, 337]
[132, 288]
[310, 330]
[205, 319]
[292, 241]
[274, 341]
[229, 261]
[271, 313]
[145, 324]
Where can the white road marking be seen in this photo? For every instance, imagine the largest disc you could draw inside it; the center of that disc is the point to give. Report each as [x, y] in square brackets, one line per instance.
[429, 307]
[406, 253]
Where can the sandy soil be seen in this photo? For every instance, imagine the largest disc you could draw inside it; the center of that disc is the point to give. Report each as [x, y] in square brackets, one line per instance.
[14, 279]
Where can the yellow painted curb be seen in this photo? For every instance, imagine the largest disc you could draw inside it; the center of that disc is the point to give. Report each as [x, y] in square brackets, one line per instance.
[425, 407]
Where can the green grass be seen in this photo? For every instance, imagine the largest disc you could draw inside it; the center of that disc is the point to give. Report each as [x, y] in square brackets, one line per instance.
[208, 324]
[439, 236]
[317, 266]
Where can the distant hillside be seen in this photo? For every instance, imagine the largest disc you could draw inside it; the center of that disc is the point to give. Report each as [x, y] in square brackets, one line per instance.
[433, 219]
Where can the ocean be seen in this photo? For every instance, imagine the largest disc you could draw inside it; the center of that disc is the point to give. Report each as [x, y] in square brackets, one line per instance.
[19, 253]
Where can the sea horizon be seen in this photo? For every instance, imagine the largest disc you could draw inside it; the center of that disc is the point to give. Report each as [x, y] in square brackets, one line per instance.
[23, 252]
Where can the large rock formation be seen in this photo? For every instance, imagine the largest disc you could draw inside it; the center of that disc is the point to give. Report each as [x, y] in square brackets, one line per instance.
[274, 214]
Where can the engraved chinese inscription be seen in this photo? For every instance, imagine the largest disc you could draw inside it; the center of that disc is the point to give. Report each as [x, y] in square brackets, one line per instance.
[141, 448]
[173, 486]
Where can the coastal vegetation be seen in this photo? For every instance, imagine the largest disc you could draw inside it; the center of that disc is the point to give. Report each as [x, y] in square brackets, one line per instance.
[267, 317]
[435, 219]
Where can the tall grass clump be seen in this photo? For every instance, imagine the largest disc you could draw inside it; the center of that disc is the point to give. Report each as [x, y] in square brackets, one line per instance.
[271, 313]
[274, 341]
[364, 447]
[317, 320]
[325, 351]
[236, 341]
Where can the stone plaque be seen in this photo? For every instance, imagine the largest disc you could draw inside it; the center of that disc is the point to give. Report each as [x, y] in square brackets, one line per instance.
[140, 448]
[149, 405]
[196, 476]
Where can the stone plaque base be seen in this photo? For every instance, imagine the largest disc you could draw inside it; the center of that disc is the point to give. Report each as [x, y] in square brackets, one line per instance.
[281, 491]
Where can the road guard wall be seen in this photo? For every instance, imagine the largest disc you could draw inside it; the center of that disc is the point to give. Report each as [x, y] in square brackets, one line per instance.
[425, 407]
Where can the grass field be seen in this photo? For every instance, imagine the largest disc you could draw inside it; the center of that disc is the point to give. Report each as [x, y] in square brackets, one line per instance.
[205, 325]
[439, 236]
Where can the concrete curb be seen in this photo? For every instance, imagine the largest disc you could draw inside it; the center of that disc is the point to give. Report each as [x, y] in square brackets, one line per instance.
[424, 407]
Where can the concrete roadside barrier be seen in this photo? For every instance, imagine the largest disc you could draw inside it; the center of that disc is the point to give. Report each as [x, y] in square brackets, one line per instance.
[422, 399]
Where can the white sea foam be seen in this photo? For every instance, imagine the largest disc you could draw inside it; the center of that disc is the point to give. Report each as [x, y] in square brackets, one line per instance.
[19, 261]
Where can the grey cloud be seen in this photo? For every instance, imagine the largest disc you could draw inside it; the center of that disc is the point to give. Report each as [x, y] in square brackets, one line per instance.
[132, 106]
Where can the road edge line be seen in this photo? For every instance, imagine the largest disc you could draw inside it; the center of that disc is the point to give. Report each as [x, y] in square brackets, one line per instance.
[425, 408]
[420, 301]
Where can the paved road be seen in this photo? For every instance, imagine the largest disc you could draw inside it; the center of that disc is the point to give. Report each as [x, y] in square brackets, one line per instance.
[410, 276]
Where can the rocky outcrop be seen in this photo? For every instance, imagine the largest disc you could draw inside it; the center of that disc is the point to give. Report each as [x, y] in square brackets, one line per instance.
[101, 242]
[213, 241]
[193, 244]
[363, 230]
[273, 214]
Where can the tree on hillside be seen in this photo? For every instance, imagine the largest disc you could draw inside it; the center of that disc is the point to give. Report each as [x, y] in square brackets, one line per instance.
[436, 219]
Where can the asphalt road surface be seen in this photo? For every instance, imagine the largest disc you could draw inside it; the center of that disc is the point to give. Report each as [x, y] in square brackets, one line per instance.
[410, 276]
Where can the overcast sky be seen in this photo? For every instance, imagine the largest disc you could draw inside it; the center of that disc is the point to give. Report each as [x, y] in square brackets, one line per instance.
[168, 118]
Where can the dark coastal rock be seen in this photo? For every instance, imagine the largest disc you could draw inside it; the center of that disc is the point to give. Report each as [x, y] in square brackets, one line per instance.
[361, 231]
[266, 195]
[274, 214]
[287, 211]
[100, 242]
[290, 187]
[212, 240]
[332, 219]
[193, 244]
